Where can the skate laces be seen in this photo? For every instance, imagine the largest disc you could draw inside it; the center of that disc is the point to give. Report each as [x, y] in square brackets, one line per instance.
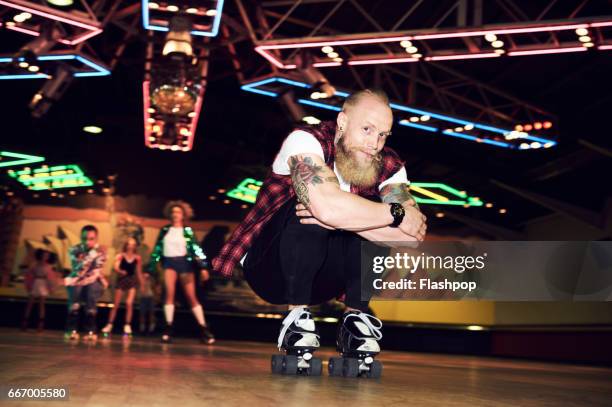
[374, 324]
[295, 315]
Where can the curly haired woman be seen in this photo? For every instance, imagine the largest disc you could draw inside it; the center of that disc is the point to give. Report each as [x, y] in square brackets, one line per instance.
[181, 257]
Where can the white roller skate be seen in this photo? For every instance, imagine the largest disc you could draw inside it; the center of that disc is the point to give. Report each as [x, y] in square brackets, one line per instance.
[299, 339]
[107, 330]
[127, 331]
[357, 342]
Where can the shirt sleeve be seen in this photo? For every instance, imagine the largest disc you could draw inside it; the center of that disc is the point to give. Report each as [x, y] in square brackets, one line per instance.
[400, 177]
[298, 142]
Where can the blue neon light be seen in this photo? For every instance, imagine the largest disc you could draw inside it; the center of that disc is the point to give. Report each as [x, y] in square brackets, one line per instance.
[212, 33]
[98, 69]
[478, 139]
[25, 76]
[252, 87]
[321, 105]
[418, 126]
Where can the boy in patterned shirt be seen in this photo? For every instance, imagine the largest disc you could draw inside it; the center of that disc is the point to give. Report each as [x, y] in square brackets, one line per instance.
[86, 281]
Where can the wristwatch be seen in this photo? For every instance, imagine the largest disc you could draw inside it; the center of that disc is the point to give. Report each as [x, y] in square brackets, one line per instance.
[398, 212]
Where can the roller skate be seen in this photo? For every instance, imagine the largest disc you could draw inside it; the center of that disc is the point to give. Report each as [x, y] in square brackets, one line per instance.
[73, 335]
[206, 335]
[167, 335]
[91, 336]
[298, 339]
[127, 331]
[107, 330]
[357, 342]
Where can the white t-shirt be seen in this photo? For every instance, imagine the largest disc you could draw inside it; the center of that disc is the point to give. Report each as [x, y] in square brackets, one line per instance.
[302, 142]
[174, 243]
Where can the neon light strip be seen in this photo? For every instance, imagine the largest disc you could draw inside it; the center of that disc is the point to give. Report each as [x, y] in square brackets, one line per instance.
[25, 76]
[462, 56]
[146, 104]
[418, 126]
[428, 193]
[605, 47]
[477, 139]
[23, 30]
[98, 69]
[381, 61]
[336, 43]
[212, 33]
[442, 186]
[75, 41]
[263, 48]
[546, 51]
[50, 16]
[252, 87]
[500, 31]
[318, 104]
[23, 159]
[326, 64]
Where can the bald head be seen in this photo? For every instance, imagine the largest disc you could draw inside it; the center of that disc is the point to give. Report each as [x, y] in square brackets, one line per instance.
[356, 98]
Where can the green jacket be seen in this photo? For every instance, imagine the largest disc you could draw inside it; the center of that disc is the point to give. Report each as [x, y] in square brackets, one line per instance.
[194, 251]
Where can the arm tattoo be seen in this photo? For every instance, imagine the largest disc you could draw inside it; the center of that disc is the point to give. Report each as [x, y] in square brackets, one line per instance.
[398, 193]
[303, 172]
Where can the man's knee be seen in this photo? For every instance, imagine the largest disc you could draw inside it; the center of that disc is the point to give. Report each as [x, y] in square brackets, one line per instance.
[74, 307]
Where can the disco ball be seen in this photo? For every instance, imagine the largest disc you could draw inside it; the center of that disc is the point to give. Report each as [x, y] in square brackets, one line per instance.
[172, 99]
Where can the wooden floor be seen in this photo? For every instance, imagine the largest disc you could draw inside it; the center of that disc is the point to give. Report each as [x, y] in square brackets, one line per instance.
[142, 372]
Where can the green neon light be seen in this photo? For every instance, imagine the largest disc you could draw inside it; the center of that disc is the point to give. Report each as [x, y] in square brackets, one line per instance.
[467, 200]
[22, 159]
[56, 177]
[246, 191]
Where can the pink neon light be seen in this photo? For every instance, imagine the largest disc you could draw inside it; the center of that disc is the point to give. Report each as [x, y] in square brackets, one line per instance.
[49, 15]
[546, 51]
[23, 30]
[194, 119]
[462, 56]
[382, 61]
[269, 57]
[500, 31]
[145, 105]
[86, 36]
[337, 42]
[604, 47]
[326, 64]
[601, 24]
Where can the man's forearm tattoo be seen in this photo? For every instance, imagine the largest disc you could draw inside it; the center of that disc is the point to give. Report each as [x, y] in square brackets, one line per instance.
[397, 193]
[303, 172]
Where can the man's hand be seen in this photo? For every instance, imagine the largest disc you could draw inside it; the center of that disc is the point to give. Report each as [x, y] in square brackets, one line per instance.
[306, 217]
[413, 223]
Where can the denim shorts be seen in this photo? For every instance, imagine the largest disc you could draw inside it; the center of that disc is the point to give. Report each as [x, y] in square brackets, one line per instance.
[179, 264]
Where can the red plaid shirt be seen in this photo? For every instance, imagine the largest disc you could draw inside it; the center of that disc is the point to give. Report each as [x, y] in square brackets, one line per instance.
[278, 189]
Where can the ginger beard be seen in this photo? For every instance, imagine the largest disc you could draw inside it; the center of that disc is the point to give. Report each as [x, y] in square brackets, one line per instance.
[355, 170]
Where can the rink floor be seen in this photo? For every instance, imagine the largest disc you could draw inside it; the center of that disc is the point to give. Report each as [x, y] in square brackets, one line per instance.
[143, 372]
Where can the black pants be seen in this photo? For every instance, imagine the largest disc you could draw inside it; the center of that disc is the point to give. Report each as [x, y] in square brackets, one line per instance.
[294, 263]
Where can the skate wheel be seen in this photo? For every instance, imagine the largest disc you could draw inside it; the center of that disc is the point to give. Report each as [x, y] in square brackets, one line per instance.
[316, 366]
[277, 364]
[290, 365]
[334, 367]
[350, 367]
[375, 370]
